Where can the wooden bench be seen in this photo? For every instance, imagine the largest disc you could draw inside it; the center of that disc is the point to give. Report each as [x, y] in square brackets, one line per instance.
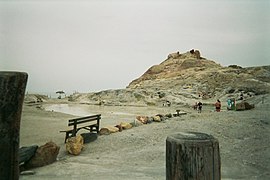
[87, 123]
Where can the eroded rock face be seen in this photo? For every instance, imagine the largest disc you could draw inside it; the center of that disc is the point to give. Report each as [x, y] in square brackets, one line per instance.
[74, 145]
[45, 154]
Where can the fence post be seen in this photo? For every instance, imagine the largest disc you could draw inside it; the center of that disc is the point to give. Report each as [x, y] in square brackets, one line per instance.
[192, 155]
[12, 89]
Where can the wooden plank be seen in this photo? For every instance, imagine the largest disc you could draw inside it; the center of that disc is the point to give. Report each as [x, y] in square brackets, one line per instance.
[72, 123]
[89, 117]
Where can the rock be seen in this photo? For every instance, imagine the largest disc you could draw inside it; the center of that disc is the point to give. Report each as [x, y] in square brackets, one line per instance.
[157, 119]
[89, 137]
[108, 130]
[169, 115]
[162, 117]
[125, 125]
[150, 120]
[142, 119]
[74, 145]
[244, 106]
[45, 154]
[119, 127]
[26, 153]
[104, 131]
[112, 129]
[136, 123]
[197, 54]
[174, 55]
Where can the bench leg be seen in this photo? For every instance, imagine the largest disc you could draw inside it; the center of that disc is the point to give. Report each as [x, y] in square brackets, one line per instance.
[67, 136]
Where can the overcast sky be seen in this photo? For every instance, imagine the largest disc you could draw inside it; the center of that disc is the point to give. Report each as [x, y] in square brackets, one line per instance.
[95, 45]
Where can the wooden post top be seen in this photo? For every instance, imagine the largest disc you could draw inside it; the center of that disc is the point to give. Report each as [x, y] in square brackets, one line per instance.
[191, 137]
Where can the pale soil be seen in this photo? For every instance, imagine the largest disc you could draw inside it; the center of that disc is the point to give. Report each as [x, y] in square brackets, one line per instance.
[139, 153]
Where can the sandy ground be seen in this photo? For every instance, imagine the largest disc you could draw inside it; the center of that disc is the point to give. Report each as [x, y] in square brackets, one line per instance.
[139, 153]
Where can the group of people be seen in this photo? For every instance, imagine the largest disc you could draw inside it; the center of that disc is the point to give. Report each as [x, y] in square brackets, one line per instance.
[198, 106]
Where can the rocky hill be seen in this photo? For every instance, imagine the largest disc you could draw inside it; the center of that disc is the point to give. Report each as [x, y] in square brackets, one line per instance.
[183, 78]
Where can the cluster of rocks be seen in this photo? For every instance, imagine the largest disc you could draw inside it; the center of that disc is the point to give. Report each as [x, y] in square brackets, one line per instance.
[139, 120]
[75, 145]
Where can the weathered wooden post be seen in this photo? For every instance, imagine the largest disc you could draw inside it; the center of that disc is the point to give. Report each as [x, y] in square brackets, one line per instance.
[192, 156]
[12, 89]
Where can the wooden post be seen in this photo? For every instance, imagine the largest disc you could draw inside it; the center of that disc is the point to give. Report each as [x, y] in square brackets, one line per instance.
[12, 89]
[192, 156]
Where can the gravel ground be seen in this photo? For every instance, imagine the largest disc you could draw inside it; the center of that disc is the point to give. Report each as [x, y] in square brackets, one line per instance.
[139, 153]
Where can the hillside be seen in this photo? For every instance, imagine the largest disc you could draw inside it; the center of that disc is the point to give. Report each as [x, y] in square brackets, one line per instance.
[183, 78]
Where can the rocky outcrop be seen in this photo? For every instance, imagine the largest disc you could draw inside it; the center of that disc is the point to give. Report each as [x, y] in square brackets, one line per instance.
[181, 79]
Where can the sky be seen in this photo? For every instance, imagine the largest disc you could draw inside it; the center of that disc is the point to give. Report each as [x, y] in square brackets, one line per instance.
[96, 45]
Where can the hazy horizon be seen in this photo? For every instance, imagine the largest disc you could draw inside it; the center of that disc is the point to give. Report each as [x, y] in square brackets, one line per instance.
[96, 45]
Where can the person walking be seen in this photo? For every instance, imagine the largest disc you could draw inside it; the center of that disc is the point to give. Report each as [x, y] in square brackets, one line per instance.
[199, 107]
[218, 105]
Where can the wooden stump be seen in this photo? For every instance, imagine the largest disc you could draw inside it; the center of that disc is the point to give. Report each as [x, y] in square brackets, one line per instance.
[12, 89]
[192, 155]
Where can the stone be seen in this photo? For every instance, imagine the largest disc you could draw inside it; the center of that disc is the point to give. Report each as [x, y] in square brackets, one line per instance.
[169, 115]
[45, 154]
[119, 127]
[197, 54]
[74, 145]
[89, 137]
[112, 129]
[125, 125]
[142, 119]
[157, 119]
[26, 153]
[174, 55]
[104, 131]
[136, 123]
[244, 106]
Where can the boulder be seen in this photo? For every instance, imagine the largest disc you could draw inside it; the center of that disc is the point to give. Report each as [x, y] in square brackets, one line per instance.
[119, 126]
[244, 106]
[74, 145]
[157, 119]
[125, 125]
[45, 154]
[136, 123]
[197, 54]
[104, 131]
[89, 137]
[112, 129]
[108, 130]
[26, 153]
[169, 115]
[174, 55]
[143, 119]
